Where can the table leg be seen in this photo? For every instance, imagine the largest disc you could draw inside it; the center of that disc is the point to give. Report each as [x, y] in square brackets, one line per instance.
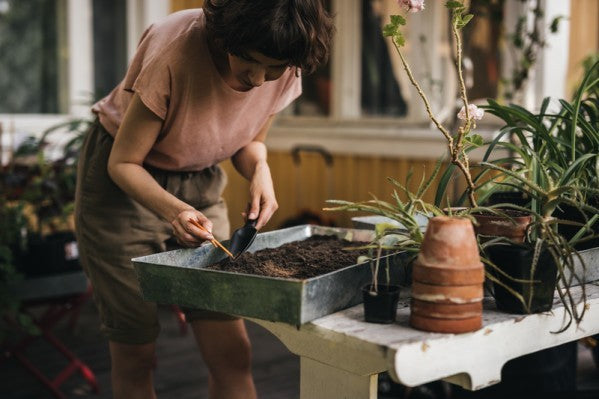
[321, 381]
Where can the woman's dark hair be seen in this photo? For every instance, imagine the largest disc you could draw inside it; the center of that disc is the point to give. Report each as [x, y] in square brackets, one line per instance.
[296, 30]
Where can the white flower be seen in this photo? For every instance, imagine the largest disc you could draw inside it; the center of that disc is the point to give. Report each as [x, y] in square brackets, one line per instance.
[475, 112]
[412, 5]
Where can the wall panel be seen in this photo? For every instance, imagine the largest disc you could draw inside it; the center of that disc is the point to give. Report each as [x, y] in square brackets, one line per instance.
[352, 178]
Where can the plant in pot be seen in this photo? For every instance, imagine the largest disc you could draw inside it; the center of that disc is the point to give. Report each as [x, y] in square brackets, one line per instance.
[41, 175]
[568, 140]
[539, 168]
[12, 223]
[458, 143]
[404, 236]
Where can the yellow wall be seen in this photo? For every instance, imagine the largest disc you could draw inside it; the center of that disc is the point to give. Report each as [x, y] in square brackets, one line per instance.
[177, 5]
[584, 37]
[351, 178]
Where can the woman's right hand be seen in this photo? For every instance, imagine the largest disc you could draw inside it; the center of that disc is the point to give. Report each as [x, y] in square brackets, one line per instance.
[187, 233]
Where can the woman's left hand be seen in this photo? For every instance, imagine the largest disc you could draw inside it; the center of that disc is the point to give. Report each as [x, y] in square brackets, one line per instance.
[262, 196]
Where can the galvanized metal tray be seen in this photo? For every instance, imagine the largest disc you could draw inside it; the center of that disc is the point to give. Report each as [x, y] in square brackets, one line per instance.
[180, 277]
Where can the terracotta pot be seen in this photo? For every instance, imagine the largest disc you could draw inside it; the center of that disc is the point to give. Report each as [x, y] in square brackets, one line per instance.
[501, 226]
[446, 311]
[446, 276]
[454, 326]
[447, 293]
[449, 242]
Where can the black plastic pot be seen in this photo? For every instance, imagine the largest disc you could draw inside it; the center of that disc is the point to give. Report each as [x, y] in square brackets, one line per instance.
[508, 197]
[52, 254]
[567, 212]
[516, 261]
[381, 306]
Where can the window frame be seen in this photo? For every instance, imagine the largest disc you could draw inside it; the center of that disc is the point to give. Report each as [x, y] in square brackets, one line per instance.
[413, 136]
[79, 78]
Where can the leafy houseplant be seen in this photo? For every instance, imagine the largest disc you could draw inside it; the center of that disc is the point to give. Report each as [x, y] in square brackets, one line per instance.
[405, 212]
[542, 234]
[11, 224]
[41, 177]
[554, 163]
[406, 238]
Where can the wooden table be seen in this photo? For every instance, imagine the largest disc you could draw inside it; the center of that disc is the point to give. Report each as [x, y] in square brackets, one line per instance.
[341, 355]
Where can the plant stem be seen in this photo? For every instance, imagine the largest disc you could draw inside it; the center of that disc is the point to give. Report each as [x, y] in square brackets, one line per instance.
[458, 41]
[427, 105]
[454, 146]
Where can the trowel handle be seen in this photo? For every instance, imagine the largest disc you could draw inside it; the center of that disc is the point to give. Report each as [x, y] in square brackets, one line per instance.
[251, 222]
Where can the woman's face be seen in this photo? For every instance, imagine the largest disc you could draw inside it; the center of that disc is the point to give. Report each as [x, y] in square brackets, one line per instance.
[253, 68]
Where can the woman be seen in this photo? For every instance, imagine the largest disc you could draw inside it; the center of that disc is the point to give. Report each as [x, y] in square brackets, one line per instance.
[203, 86]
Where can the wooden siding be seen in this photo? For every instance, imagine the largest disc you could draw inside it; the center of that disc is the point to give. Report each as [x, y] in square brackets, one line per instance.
[584, 37]
[177, 5]
[309, 185]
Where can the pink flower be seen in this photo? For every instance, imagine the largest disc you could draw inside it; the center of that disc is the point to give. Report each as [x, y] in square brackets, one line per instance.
[475, 112]
[412, 5]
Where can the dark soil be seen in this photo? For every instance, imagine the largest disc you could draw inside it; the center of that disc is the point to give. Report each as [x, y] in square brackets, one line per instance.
[312, 257]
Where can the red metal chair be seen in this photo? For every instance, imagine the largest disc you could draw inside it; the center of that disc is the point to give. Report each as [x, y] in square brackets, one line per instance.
[64, 303]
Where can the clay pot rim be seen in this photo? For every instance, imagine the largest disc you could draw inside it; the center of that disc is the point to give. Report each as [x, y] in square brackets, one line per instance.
[450, 219]
[511, 213]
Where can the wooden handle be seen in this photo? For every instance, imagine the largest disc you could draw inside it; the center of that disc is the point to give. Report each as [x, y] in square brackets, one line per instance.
[214, 241]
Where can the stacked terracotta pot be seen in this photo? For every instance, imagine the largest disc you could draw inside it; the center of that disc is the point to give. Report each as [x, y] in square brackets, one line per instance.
[447, 278]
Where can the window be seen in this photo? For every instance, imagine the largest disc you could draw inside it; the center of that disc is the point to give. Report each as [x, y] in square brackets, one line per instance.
[58, 56]
[364, 77]
[110, 44]
[32, 60]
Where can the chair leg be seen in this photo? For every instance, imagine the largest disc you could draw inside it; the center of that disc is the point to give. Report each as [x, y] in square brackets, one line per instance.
[45, 323]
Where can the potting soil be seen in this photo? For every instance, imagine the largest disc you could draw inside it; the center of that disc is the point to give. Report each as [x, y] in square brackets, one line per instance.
[311, 257]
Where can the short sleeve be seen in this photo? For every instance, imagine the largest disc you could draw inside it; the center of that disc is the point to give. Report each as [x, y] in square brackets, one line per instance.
[292, 89]
[153, 87]
[149, 76]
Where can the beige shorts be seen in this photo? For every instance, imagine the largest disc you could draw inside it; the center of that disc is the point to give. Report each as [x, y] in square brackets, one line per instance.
[112, 228]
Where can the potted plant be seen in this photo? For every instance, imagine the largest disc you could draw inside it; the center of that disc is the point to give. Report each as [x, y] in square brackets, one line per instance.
[12, 223]
[550, 167]
[410, 237]
[41, 176]
[405, 236]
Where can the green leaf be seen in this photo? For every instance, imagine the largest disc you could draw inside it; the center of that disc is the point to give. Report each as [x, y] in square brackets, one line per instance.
[399, 39]
[381, 228]
[555, 24]
[398, 20]
[454, 4]
[475, 139]
[389, 30]
[466, 19]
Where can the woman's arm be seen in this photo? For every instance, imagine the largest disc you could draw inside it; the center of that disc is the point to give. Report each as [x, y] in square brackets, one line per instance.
[250, 162]
[136, 136]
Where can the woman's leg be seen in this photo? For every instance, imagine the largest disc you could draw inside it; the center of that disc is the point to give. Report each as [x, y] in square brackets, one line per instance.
[132, 370]
[226, 349]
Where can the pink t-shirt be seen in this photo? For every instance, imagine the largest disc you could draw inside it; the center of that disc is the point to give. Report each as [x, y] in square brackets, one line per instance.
[205, 120]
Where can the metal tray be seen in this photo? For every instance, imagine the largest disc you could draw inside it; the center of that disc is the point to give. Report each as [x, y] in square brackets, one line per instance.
[180, 277]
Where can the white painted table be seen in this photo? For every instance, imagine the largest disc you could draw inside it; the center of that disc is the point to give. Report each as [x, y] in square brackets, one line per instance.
[341, 355]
